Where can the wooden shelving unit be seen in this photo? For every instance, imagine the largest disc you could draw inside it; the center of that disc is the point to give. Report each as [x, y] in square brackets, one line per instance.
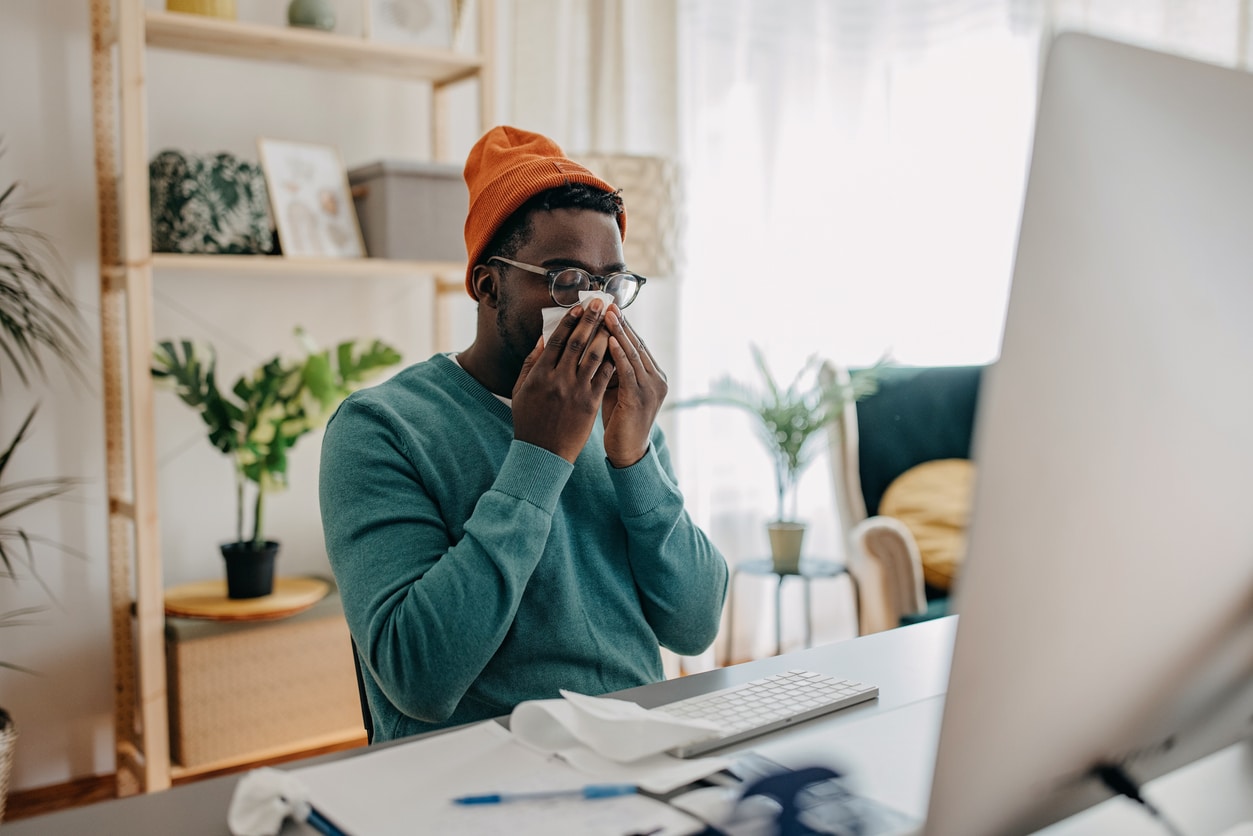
[122, 32]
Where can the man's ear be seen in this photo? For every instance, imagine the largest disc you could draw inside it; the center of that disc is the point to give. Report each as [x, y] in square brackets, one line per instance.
[483, 280]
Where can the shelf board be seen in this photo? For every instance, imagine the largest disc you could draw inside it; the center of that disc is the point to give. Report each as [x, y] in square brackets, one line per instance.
[310, 47]
[317, 744]
[448, 273]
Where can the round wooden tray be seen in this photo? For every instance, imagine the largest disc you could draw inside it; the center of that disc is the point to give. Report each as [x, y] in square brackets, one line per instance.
[207, 599]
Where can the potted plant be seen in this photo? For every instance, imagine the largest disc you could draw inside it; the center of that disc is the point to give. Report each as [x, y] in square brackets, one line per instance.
[37, 317]
[787, 421]
[258, 420]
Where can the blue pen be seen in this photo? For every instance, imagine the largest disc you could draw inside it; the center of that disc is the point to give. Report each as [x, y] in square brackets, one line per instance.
[316, 819]
[319, 822]
[590, 791]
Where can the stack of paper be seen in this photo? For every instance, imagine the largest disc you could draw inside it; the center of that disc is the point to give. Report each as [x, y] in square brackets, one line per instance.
[556, 745]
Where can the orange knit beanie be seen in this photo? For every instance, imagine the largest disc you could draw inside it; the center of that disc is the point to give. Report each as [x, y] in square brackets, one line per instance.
[507, 167]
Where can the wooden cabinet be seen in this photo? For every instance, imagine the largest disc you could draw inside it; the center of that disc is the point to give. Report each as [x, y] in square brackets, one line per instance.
[122, 32]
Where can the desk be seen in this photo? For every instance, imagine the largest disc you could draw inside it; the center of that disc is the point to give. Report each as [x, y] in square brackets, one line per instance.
[907, 664]
[808, 569]
[910, 666]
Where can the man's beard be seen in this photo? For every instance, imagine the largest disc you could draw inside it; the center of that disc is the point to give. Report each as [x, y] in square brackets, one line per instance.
[514, 336]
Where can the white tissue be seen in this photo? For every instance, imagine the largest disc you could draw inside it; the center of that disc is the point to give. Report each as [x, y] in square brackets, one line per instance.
[552, 316]
[605, 296]
[262, 799]
[614, 740]
[623, 731]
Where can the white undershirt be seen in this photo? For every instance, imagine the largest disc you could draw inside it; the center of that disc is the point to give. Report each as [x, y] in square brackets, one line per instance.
[452, 355]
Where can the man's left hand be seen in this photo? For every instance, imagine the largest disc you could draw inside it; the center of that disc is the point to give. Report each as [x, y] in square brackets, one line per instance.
[634, 397]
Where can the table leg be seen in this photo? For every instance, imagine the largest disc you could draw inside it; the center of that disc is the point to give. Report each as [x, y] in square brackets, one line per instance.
[778, 617]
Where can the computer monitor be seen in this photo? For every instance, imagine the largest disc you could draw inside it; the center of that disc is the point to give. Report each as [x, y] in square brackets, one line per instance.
[1106, 607]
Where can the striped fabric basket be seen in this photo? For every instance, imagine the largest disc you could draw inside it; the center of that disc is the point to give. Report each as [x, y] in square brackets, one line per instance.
[8, 743]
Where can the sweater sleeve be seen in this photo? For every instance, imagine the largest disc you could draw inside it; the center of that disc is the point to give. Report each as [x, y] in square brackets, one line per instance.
[681, 575]
[432, 611]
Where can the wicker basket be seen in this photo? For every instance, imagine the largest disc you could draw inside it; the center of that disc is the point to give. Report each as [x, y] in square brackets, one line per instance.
[212, 8]
[240, 689]
[8, 743]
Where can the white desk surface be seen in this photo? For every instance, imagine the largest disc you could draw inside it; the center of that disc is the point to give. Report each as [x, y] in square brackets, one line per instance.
[887, 746]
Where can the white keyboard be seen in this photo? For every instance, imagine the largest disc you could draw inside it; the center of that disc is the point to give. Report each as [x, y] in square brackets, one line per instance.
[764, 705]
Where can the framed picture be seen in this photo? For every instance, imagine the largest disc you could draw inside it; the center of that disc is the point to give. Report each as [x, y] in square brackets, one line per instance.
[311, 200]
[416, 22]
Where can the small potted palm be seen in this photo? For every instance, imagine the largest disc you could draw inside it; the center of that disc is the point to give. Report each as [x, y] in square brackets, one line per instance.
[788, 419]
[258, 421]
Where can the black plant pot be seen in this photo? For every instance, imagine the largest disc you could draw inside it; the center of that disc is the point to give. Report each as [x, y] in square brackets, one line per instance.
[249, 570]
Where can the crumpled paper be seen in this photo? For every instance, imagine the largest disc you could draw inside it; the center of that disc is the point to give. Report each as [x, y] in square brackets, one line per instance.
[614, 740]
[262, 799]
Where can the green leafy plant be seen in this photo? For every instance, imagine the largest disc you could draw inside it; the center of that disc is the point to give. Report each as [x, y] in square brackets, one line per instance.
[17, 544]
[37, 318]
[36, 314]
[267, 411]
[788, 418]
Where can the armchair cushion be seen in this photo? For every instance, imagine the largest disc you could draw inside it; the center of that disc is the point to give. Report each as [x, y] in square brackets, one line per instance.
[932, 499]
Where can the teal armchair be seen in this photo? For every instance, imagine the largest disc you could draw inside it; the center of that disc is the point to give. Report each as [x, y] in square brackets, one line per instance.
[918, 414]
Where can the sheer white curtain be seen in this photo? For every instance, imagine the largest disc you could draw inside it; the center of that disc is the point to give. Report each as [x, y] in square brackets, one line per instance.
[856, 170]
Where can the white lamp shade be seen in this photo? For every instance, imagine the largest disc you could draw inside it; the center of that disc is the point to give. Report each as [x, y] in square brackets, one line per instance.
[652, 188]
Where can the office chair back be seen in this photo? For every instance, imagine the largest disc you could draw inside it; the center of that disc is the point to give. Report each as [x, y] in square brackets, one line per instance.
[366, 720]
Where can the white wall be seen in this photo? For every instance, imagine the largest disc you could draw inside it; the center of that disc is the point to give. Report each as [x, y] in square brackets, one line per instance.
[208, 104]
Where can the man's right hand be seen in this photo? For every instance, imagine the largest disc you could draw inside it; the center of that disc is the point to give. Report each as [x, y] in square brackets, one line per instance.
[562, 383]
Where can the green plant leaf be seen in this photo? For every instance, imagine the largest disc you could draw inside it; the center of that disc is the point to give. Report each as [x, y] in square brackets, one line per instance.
[36, 313]
[17, 546]
[180, 367]
[355, 369]
[18, 618]
[320, 379]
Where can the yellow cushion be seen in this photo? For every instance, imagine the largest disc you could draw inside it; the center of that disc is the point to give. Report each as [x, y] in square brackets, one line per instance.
[933, 501]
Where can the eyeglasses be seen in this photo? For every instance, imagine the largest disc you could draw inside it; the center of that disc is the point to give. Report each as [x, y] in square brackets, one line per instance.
[564, 283]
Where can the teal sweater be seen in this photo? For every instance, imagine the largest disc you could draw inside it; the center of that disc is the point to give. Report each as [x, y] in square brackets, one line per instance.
[478, 571]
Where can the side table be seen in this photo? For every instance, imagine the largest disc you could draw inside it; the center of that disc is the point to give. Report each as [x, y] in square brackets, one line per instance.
[808, 570]
[208, 600]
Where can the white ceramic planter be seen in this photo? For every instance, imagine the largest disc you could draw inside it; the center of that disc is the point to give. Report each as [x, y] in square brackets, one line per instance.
[785, 546]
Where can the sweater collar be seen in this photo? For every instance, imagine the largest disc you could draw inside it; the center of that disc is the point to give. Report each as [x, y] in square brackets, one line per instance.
[492, 402]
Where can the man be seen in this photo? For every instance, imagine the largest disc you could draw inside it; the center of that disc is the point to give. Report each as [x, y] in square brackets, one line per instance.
[504, 522]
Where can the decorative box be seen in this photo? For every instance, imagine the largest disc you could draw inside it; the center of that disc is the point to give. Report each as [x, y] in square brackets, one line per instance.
[411, 210]
[208, 203]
